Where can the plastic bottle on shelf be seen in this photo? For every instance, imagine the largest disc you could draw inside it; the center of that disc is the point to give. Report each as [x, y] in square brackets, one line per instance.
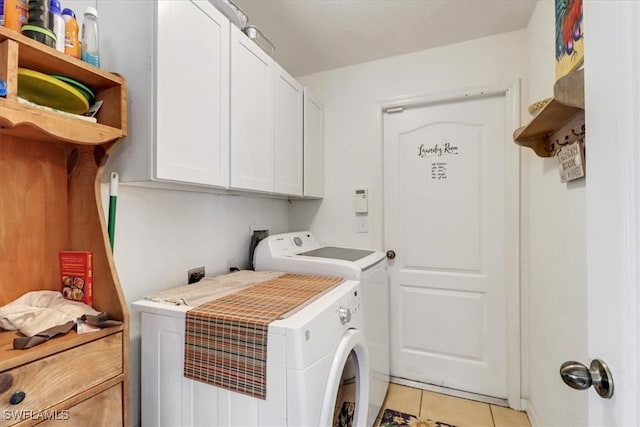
[16, 13]
[71, 42]
[90, 41]
[1, 13]
[58, 24]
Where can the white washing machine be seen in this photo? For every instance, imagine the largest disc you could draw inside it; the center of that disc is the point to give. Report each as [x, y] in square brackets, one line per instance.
[312, 357]
[300, 252]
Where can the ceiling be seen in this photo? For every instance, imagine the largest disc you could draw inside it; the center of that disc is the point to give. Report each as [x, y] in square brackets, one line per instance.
[318, 35]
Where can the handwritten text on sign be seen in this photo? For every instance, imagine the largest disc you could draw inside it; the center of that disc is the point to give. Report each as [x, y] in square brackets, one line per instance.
[438, 171]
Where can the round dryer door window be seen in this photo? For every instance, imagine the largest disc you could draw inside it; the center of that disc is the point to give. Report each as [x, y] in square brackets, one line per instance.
[346, 398]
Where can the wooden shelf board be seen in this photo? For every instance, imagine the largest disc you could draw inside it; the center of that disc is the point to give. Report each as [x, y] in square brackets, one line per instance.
[549, 119]
[568, 102]
[37, 56]
[10, 358]
[28, 122]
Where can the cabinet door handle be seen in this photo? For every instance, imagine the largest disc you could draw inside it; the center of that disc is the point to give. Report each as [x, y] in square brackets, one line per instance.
[17, 397]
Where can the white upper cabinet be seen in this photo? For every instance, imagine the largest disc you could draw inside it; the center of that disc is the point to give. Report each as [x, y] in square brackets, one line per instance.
[288, 99]
[208, 108]
[192, 93]
[313, 146]
[175, 57]
[252, 120]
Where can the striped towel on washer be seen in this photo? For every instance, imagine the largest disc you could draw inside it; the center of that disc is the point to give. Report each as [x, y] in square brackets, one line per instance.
[226, 339]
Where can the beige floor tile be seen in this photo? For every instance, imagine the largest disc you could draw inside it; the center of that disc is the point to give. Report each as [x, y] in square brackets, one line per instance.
[403, 399]
[506, 417]
[456, 411]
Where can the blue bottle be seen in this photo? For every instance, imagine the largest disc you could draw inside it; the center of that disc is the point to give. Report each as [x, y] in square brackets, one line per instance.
[90, 42]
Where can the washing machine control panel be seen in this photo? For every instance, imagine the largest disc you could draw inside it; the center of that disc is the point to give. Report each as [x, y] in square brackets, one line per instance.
[349, 307]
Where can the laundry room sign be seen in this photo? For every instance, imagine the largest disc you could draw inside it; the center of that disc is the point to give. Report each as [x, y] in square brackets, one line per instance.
[571, 162]
[439, 168]
[439, 150]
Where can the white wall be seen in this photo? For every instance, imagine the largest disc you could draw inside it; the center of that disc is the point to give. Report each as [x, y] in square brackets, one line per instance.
[353, 151]
[554, 253]
[553, 214]
[160, 234]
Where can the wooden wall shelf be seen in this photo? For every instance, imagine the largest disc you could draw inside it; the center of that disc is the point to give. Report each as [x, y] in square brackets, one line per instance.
[19, 51]
[566, 106]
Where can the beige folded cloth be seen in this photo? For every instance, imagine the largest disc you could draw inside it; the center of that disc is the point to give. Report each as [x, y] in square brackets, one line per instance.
[37, 311]
[211, 288]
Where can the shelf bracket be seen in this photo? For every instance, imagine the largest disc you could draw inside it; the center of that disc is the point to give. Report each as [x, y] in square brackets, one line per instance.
[541, 145]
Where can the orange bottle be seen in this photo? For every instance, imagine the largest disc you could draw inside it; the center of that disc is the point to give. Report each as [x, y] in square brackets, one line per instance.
[71, 42]
[16, 14]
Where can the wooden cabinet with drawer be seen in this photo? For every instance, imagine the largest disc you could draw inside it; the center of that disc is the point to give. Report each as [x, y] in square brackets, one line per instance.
[50, 168]
[32, 391]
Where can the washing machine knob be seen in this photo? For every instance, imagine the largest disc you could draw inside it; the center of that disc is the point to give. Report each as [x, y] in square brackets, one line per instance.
[344, 314]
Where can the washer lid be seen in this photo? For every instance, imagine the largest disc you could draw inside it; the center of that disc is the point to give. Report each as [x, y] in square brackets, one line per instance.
[332, 252]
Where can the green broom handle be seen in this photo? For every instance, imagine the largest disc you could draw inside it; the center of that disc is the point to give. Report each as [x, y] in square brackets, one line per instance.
[113, 198]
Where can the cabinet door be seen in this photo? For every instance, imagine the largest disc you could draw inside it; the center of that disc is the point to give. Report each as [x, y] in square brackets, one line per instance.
[313, 146]
[251, 115]
[192, 93]
[288, 96]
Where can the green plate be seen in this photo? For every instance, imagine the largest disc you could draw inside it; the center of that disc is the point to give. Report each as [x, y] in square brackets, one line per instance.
[88, 93]
[48, 91]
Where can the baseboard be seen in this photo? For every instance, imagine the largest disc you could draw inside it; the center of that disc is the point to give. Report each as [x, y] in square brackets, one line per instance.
[531, 413]
[450, 391]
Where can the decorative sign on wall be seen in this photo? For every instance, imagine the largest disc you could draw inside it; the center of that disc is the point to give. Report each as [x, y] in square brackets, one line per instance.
[571, 162]
[438, 169]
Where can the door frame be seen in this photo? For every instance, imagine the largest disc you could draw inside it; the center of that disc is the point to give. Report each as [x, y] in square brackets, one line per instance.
[511, 92]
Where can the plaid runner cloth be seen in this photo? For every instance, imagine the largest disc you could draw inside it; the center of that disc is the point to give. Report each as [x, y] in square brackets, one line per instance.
[226, 339]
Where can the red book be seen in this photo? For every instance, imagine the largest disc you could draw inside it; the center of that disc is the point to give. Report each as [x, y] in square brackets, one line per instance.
[76, 269]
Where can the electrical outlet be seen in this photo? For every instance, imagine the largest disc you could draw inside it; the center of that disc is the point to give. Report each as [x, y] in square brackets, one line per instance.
[254, 227]
[363, 223]
[194, 275]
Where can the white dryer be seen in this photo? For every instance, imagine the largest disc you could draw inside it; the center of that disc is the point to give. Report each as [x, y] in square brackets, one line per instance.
[312, 356]
[300, 252]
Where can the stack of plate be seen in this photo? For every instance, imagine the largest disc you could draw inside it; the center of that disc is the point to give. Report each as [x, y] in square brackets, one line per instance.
[55, 91]
[84, 90]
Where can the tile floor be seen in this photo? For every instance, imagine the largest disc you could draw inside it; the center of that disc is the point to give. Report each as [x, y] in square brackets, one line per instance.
[450, 410]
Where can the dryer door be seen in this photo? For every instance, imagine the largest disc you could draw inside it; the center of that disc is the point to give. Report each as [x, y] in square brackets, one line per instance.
[346, 398]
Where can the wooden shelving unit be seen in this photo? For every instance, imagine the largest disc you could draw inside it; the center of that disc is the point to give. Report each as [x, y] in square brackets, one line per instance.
[567, 106]
[50, 169]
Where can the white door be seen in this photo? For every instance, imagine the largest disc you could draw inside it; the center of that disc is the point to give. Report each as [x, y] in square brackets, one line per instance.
[251, 114]
[192, 101]
[450, 222]
[613, 205]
